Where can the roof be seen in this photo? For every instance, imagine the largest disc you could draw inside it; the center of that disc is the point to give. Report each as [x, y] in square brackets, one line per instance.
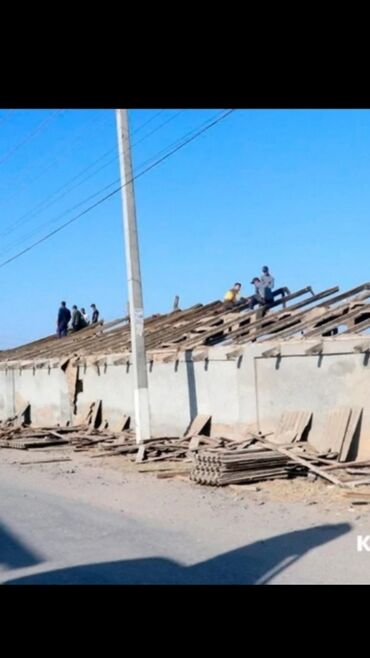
[302, 313]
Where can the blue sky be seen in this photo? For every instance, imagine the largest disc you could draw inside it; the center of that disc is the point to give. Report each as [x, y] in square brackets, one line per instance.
[286, 188]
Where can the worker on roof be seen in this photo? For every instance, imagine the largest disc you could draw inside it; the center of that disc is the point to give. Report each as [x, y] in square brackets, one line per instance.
[95, 314]
[267, 279]
[85, 315]
[268, 282]
[262, 294]
[77, 320]
[64, 316]
[232, 296]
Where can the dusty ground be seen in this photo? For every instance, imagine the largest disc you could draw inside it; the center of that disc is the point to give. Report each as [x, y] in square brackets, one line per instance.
[72, 477]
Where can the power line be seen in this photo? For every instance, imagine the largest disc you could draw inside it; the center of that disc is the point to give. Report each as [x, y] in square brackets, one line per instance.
[51, 200]
[20, 174]
[6, 120]
[17, 242]
[114, 192]
[30, 135]
[85, 200]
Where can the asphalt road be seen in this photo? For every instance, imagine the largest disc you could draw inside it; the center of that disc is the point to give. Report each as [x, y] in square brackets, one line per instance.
[178, 537]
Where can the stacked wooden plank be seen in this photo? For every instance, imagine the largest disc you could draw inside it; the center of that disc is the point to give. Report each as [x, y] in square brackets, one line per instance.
[237, 466]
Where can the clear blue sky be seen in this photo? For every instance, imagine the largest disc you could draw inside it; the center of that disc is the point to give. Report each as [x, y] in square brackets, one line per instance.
[286, 188]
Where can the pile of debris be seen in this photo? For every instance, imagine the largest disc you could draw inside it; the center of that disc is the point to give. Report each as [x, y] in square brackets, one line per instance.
[217, 460]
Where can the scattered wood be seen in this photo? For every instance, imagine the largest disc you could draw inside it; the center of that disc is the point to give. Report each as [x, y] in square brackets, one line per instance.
[303, 462]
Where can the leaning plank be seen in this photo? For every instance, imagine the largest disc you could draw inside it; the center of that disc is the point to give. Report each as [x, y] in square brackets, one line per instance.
[303, 462]
[140, 454]
[291, 426]
[95, 415]
[123, 423]
[23, 415]
[198, 426]
[332, 437]
[350, 433]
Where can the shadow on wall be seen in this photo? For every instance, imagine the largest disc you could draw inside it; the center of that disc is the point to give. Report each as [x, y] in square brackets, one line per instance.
[255, 563]
[13, 554]
[192, 387]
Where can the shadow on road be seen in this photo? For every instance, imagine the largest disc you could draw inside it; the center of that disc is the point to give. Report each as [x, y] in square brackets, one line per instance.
[13, 553]
[255, 563]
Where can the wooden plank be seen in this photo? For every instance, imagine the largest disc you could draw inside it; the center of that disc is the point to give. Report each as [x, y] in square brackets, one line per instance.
[291, 426]
[23, 415]
[45, 461]
[194, 443]
[360, 496]
[140, 454]
[120, 425]
[198, 425]
[350, 433]
[95, 414]
[337, 466]
[334, 430]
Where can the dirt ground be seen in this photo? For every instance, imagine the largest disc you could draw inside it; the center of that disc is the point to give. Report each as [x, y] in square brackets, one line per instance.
[72, 477]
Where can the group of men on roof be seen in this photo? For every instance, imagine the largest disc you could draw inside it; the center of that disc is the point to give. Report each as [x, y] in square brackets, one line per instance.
[264, 293]
[79, 318]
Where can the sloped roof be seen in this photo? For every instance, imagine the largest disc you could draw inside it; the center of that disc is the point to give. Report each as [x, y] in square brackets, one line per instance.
[302, 313]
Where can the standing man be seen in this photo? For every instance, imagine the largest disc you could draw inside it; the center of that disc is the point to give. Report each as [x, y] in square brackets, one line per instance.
[95, 314]
[85, 316]
[267, 279]
[268, 282]
[64, 316]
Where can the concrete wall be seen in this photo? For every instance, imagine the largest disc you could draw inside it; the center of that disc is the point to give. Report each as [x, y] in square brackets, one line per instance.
[244, 389]
[45, 389]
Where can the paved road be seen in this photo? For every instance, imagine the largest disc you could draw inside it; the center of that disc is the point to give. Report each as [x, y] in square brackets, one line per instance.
[49, 538]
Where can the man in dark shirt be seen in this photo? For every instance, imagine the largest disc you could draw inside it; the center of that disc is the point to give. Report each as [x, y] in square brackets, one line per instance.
[78, 321]
[64, 316]
[95, 314]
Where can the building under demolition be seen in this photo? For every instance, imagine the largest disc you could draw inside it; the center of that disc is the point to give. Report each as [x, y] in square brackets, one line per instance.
[308, 353]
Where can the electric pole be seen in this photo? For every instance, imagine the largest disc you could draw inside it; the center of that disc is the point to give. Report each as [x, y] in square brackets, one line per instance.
[135, 295]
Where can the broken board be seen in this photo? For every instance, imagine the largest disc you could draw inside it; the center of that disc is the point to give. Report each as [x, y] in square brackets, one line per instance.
[291, 426]
[200, 425]
[350, 433]
[332, 437]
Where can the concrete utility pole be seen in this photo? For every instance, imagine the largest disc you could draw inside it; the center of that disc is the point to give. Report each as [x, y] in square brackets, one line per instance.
[142, 418]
